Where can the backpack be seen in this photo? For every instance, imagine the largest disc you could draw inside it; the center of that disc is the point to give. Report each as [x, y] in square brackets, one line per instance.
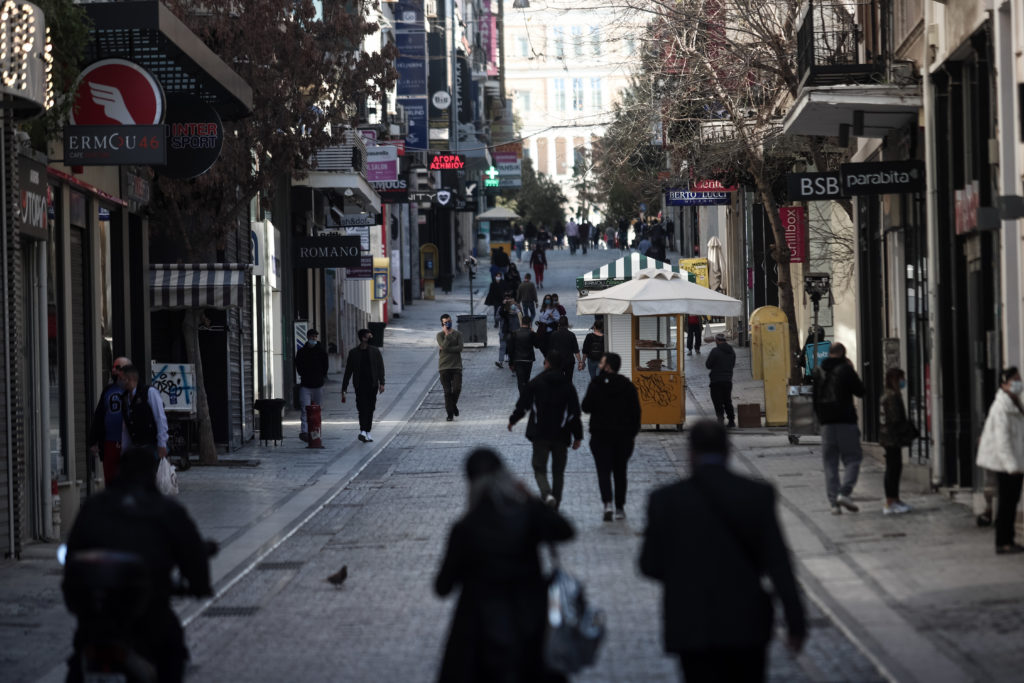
[826, 393]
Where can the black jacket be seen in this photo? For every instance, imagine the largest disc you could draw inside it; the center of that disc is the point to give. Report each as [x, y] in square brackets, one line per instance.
[613, 404]
[566, 343]
[138, 417]
[521, 345]
[496, 293]
[311, 364]
[720, 362]
[352, 367]
[492, 555]
[554, 409]
[835, 385]
[711, 566]
[593, 346]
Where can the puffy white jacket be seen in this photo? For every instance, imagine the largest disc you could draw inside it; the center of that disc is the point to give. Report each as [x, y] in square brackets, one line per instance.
[1001, 447]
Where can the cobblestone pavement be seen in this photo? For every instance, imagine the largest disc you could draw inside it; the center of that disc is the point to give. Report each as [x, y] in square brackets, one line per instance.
[283, 621]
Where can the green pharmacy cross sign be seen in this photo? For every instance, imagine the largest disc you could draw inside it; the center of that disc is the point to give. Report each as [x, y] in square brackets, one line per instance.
[492, 177]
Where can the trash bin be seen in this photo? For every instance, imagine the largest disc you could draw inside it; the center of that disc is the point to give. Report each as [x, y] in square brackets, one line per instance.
[377, 329]
[270, 410]
[473, 329]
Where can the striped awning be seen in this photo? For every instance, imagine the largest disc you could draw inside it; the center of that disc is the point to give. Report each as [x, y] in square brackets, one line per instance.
[625, 267]
[198, 285]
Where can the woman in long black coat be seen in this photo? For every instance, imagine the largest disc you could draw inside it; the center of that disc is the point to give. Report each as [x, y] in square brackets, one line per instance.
[498, 628]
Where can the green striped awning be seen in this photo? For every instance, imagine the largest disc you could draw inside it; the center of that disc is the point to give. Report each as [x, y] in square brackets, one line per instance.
[623, 270]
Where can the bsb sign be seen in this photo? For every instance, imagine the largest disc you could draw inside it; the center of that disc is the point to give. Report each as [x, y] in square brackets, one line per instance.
[882, 177]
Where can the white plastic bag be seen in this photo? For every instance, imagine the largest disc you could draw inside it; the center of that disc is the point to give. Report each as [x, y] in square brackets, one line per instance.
[167, 478]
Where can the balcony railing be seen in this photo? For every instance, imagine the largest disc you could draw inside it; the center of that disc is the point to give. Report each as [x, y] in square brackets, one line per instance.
[827, 47]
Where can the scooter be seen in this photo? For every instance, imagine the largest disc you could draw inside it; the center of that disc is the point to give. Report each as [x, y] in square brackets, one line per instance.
[109, 591]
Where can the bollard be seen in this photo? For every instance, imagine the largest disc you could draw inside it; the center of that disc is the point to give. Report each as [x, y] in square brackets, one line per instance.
[313, 425]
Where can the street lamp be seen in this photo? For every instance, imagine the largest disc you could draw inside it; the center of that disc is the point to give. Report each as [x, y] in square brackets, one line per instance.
[817, 285]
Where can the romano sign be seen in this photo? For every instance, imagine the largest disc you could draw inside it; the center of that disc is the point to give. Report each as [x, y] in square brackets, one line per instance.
[336, 251]
[883, 177]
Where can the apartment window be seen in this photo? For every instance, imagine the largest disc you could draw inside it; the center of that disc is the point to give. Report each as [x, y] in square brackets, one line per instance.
[577, 94]
[577, 41]
[579, 157]
[561, 163]
[523, 101]
[559, 94]
[630, 46]
[559, 42]
[524, 46]
[542, 155]
[596, 99]
[595, 40]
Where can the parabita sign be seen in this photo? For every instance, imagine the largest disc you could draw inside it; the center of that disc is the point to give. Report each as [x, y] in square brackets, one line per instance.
[335, 251]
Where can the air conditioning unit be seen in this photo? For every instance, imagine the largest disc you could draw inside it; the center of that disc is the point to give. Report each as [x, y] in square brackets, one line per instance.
[430, 9]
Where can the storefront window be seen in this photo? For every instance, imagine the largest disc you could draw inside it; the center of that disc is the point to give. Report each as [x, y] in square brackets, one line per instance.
[58, 457]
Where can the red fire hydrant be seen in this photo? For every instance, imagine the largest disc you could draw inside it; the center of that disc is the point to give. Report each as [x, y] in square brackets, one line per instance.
[313, 424]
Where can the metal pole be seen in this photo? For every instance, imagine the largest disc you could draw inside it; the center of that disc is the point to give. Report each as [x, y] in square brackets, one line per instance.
[9, 414]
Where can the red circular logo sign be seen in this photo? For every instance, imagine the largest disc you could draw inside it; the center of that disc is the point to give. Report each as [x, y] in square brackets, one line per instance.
[117, 92]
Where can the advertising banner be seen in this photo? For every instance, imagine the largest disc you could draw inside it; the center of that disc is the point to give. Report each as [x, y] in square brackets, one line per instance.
[416, 112]
[794, 224]
[381, 163]
[411, 64]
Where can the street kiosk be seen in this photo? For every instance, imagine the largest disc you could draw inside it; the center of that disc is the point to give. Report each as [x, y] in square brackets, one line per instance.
[643, 324]
[499, 221]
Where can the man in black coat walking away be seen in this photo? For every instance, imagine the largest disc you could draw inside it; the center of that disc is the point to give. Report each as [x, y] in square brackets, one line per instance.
[312, 364]
[365, 367]
[717, 615]
[720, 362]
[520, 352]
[565, 342]
[614, 407]
[554, 421]
[835, 384]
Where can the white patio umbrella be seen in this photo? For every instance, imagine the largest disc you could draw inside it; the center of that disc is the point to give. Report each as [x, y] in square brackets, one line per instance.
[658, 292]
[716, 265]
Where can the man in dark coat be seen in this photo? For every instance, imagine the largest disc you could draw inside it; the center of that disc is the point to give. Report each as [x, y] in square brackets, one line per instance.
[836, 382]
[568, 346]
[107, 422]
[720, 362]
[554, 421]
[520, 352]
[312, 364]
[130, 515]
[614, 407]
[497, 633]
[365, 367]
[496, 296]
[717, 615]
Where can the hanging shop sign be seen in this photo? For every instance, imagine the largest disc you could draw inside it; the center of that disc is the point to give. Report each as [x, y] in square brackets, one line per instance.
[350, 220]
[680, 197]
[810, 187]
[447, 161]
[711, 186]
[416, 114]
[336, 251]
[195, 136]
[115, 145]
[26, 59]
[411, 64]
[391, 191]
[35, 199]
[443, 198]
[117, 92]
[363, 271]
[882, 177]
[794, 225]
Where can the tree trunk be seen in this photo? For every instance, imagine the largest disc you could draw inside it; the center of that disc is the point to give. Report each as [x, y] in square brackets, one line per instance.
[207, 447]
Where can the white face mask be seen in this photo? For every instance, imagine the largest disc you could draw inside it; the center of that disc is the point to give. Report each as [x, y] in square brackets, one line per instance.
[1016, 386]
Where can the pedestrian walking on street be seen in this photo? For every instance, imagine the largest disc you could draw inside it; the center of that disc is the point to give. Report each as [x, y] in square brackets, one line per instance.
[593, 348]
[1001, 450]
[717, 614]
[449, 365]
[496, 297]
[564, 341]
[145, 422]
[572, 232]
[509, 325]
[694, 332]
[554, 422]
[895, 431]
[835, 385]
[518, 241]
[539, 263]
[721, 362]
[107, 422]
[499, 261]
[497, 632]
[527, 297]
[614, 407]
[365, 367]
[512, 279]
[312, 364]
[521, 354]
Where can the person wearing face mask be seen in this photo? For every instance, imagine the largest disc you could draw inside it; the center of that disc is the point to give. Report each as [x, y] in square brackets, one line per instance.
[311, 363]
[1000, 450]
[496, 297]
[895, 432]
[836, 382]
[105, 428]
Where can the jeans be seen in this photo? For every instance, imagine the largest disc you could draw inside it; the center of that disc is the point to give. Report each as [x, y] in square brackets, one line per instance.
[451, 382]
[559, 452]
[523, 370]
[307, 396]
[840, 442]
[529, 309]
[1006, 512]
[366, 403]
[519, 251]
[611, 456]
[893, 471]
[721, 398]
[693, 337]
[592, 367]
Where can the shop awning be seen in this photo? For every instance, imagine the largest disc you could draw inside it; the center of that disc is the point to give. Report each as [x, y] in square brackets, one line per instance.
[198, 285]
[623, 270]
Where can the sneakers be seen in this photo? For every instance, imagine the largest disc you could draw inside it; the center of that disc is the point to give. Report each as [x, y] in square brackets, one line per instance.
[897, 508]
[847, 503]
[690, 352]
[368, 438]
[620, 513]
[498, 364]
[450, 417]
[304, 437]
[836, 510]
[731, 425]
[608, 512]
[1011, 549]
[362, 436]
[550, 501]
[455, 411]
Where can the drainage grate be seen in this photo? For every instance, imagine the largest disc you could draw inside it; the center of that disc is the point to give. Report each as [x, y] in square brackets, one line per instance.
[280, 565]
[225, 611]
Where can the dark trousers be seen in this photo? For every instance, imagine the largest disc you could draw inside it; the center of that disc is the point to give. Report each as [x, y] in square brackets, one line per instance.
[451, 382]
[724, 665]
[693, 337]
[569, 368]
[1006, 513]
[559, 453]
[366, 403]
[611, 456]
[523, 370]
[721, 398]
[893, 471]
